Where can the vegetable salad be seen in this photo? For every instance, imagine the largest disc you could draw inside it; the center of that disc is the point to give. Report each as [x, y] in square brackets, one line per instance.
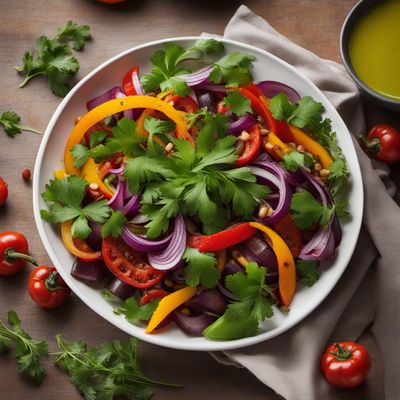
[199, 197]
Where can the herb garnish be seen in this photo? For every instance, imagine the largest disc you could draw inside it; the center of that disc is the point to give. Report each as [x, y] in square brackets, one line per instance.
[11, 124]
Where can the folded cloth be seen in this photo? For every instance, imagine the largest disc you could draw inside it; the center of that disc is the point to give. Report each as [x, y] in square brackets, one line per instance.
[289, 363]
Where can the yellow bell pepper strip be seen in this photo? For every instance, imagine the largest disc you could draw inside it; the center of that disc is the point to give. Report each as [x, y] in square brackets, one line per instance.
[85, 255]
[115, 106]
[221, 259]
[140, 125]
[274, 146]
[168, 304]
[238, 256]
[90, 172]
[312, 146]
[286, 264]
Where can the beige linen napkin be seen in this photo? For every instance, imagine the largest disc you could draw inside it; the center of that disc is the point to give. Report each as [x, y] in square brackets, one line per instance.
[369, 291]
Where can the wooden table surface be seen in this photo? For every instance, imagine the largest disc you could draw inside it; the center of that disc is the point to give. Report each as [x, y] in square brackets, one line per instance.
[115, 29]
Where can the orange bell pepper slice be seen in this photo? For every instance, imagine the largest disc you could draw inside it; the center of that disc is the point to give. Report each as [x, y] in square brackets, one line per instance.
[286, 264]
[84, 253]
[277, 148]
[90, 172]
[114, 106]
[168, 304]
[312, 146]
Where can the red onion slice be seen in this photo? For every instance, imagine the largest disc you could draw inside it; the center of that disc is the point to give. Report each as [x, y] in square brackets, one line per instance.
[172, 255]
[272, 173]
[136, 83]
[197, 77]
[243, 123]
[272, 88]
[209, 86]
[132, 207]
[103, 97]
[142, 244]
[117, 201]
[206, 100]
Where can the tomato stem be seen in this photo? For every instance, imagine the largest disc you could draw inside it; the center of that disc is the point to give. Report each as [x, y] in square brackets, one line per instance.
[11, 255]
[372, 146]
[51, 282]
[341, 354]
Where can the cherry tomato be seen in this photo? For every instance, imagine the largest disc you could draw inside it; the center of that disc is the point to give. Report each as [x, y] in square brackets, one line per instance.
[127, 84]
[251, 147]
[3, 191]
[13, 253]
[345, 364]
[290, 234]
[383, 143]
[26, 174]
[47, 288]
[129, 265]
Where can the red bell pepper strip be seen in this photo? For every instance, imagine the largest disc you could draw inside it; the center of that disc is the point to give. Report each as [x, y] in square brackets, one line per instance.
[127, 83]
[223, 239]
[260, 105]
[251, 147]
[181, 103]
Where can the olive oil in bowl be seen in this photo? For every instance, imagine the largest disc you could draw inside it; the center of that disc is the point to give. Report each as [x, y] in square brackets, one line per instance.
[374, 48]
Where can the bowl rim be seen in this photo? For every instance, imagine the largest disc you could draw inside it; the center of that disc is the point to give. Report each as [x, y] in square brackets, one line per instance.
[351, 19]
[157, 339]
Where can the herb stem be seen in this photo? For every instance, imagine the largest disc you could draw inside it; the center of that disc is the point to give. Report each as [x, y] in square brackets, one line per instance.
[28, 78]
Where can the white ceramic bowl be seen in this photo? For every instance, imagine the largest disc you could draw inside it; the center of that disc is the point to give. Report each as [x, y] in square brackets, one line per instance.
[110, 74]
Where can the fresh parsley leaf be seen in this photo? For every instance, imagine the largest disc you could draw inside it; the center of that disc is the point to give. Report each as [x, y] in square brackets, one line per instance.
[308, 272]
[306, 210]
[80, 153]
[200, 268]
[134, 312]
[96, 138]
[53, 59]
[77, 34]
[167, 69]
[106, 372]
[280, 107]
[233, 69]
[238, 104]
[242, 317]
[114, 225]
[11, 124]
[156, 126]
[295, 160]
[29, 352]
[66, 196]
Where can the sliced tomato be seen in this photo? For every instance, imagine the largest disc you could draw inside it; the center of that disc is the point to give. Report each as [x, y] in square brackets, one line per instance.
[127, 84]
[290, 234]
[129, 265]
[181, 103]
[221, 108]
[251, 147]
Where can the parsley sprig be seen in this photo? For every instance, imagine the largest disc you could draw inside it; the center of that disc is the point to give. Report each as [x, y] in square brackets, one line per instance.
[135, 312]
[53, 59]
[202, 181]
[65, 197]
[307, 114]
[29, 352]
[307, 272]
[242, 317]
[11, 122]
[167, 69]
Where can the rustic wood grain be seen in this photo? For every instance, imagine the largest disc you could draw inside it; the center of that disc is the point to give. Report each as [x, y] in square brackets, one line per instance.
[312, 24]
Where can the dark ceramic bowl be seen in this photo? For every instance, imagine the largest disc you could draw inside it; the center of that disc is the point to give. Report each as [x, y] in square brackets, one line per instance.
[352, 18]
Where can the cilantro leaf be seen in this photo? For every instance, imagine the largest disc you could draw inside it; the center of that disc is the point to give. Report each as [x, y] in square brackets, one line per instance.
[72, 31]
[53, 60]
[233, 69]
[200, 268]
[167, 70]
[242, 317]
[96, 138]
[66, 196]
[11, 124]
[114, 225]
[238, 104]
[156, 126]
[308, 272]
[106, 372]
[294, 160]
[306, 210]
[280, 107]
[80, 153]
[29, 352]
[134, 312]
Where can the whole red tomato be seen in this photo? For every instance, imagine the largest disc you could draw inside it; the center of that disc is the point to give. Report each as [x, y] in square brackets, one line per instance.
[383, 143]
[47, 288]
[3, 191]
[13, 253]
[345, 364]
